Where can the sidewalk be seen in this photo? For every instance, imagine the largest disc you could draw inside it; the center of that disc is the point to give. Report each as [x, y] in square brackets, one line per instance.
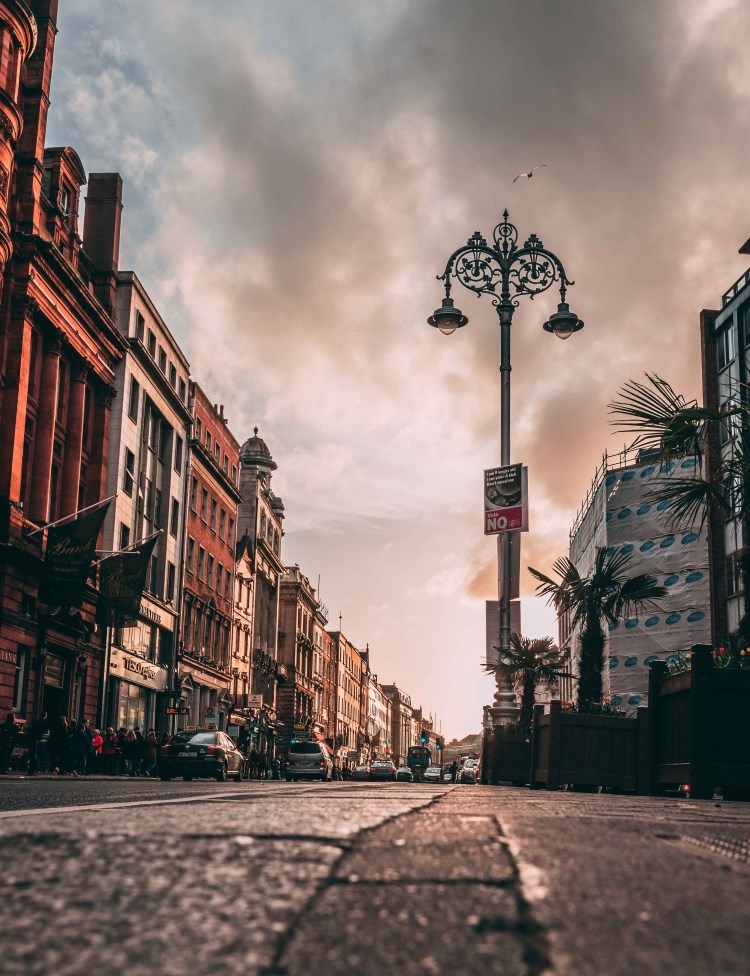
[494, 880]
[377, 879]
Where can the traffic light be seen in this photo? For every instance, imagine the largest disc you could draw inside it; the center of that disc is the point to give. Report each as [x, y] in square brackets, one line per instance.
[425, 738]
[439, 744]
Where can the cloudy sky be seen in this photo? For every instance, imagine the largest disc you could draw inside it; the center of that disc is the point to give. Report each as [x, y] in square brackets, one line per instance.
[296, 175]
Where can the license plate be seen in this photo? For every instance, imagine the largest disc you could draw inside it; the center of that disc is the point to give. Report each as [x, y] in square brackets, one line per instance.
[186, 755]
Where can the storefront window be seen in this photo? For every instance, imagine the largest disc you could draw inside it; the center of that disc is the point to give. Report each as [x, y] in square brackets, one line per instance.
[132, 706]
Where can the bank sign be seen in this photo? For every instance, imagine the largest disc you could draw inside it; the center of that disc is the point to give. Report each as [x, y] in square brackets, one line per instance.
[506, 499]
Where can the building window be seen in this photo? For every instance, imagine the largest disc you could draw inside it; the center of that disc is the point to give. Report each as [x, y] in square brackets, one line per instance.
[20, 679]
[725, 344]
[219, 578]
[230, 532]
[217, 453]
[157, 508]
[124, 536]
[734, 574]
[182, 390]
[163, 360]
[170, 581]
[190, 553]
[154, 574]
[172, 375]
[210, 580]
[177, 453]
[198, 429]
[194, 495]
[204, 504]
[152, 343]
[129, 473]
[208, 441]
[222, 524]
[227, 584]
[234, 474]
[135, 390]
[201, 562]
[174, 520]
[140, 326]
[214, 508]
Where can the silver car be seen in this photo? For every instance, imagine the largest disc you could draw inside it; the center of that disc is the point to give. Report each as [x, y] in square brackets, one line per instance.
[433, 774]
[308, 760]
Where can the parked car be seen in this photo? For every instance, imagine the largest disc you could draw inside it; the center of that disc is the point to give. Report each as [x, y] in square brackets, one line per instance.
[469, 771]
[382, 769]
[433, 774]
[361, 772]
[309, 760]
[404, 774]
[191, 754]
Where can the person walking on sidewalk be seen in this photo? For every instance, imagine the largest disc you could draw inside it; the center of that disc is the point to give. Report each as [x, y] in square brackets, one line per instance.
[40, 730]
[8, 739]
[59, 746]
[97, 744]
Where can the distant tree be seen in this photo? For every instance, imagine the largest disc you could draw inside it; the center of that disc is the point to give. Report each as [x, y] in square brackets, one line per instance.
[603, 597]
[527, 663]
[671, 426]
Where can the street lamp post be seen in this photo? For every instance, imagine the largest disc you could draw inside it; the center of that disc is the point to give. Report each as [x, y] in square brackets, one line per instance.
[505, 271]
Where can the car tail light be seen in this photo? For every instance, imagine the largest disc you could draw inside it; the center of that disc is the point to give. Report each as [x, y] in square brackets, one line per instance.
[322, 762]
[211, 750]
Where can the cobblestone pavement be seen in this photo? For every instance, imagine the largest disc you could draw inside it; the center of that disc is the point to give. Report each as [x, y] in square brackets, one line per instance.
[279, 879]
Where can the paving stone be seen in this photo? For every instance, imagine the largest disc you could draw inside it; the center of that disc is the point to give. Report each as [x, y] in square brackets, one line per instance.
[412, 930]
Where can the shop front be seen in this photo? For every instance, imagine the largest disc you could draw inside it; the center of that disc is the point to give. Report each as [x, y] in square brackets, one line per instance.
[135, 684]
[206, 697]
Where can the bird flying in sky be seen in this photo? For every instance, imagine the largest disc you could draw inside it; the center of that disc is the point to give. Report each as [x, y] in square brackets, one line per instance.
[530, 172]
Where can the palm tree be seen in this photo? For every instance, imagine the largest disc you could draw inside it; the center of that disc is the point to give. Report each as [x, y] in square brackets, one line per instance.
[720, 438]
[528, 662]
[606, 595]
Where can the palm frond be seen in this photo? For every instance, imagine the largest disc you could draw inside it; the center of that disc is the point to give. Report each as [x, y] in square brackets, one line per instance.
[661, 418]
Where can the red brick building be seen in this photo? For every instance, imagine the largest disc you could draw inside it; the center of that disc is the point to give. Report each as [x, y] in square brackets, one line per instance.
[58, 351]
[205, 652]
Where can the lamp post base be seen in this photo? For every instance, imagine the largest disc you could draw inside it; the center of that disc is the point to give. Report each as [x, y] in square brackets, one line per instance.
[504, 709]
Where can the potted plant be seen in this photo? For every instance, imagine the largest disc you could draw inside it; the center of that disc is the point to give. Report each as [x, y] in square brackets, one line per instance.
[528, 663]
[699, 706]
[590, 743]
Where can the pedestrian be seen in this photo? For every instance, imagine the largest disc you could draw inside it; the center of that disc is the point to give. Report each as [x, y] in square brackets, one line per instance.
[152, 752]
[59, 746]
[131, 754]
[454, 770]
[97, 744]
[39, 745]
[122, 735]
[140, 768]
[8, 738]
[110, 745]
[80, 748]
[252, 762]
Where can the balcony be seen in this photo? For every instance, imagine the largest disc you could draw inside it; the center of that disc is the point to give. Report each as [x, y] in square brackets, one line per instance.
[736, 288]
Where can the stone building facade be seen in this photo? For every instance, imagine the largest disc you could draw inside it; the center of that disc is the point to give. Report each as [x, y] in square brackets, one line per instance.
[260, 520]
[59, 349]
[205, 653]
[147, 470]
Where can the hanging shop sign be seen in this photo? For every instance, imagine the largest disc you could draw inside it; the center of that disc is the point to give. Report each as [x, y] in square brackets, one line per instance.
[506, 504]
[54, 671]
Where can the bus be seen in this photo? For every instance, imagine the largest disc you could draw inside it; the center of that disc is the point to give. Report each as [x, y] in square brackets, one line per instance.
[418, 758]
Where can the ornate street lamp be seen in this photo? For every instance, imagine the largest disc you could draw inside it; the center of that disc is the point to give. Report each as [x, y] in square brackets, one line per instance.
[505, 271]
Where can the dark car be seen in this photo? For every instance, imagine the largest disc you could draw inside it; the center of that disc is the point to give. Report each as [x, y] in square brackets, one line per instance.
[404, 774]
[361, 772]
[191, 754]
[382, 769]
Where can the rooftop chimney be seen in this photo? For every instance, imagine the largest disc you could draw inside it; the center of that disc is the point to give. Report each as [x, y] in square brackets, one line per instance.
[101, 233]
